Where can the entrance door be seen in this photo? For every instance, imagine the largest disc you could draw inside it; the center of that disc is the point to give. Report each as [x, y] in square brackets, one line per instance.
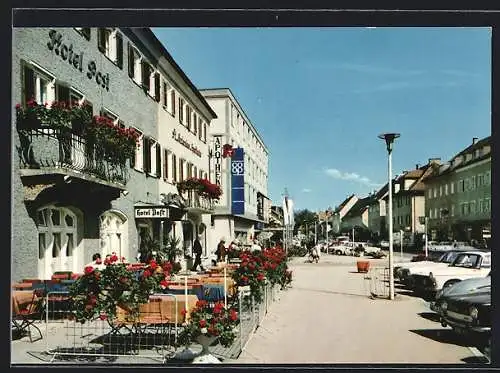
[57, 241]
[113, 234]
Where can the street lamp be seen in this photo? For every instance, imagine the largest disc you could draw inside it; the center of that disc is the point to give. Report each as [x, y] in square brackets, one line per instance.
[389, 140]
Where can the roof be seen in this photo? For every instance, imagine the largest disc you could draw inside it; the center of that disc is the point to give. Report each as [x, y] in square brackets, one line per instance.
[149, 33]
[419, 185]
[344, 203]
[359, 206]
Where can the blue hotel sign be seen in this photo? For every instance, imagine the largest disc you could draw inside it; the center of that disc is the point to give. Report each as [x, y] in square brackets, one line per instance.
[238, 182]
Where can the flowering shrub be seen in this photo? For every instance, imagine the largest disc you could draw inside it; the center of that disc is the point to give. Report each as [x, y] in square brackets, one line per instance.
[58, 114]
[216, 321]
[203, 186]
[251, 272]
[118, 144]
[97, 292]
[275, 265]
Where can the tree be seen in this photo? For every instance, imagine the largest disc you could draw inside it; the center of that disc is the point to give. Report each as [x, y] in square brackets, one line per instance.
[303, 217]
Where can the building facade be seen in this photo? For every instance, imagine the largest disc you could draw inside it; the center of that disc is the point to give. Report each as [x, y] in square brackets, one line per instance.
[377, 214]
[239, 164]
[458, 195]
[69, 201]
[341, 211]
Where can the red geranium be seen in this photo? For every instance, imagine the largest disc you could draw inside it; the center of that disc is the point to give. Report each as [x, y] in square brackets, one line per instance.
[88, 270]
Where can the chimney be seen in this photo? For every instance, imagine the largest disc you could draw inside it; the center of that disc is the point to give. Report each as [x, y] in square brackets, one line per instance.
[417, 166]
[474, 140]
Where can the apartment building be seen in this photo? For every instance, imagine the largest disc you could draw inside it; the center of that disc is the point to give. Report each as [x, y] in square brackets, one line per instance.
[340, 211]
[377, 214]
[458, 195]
[70, 199]
[239, 164]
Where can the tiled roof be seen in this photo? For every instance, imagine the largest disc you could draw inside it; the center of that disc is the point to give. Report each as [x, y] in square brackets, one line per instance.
[345, 202]
[359, 206]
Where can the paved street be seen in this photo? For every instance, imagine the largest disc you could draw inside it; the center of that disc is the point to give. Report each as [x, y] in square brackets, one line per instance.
[327, 317]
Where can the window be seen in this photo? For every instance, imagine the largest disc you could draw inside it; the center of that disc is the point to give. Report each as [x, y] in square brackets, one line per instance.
[440, 190]
[181, 110]
[452, 187]
[446, 189]
[38, 84]
[152, 156]
[408, 220]
[429, 193]
[84, 31]
[174, 168]
[134, 64]
[189, 169]
[204, 132]
[166, 90]
[200, 128]
[452, 213]
[148, 78]
[181, 169]
[463, 208]
[110, 42]
[200, 174]
[487, 178]
[487, 205]
[480, 206]
[474, 183]
[435, 192]
[166, 159]
[195, 123]
[195, 171]
[138, 162]
[472, 207]
[480, 179]
[172, 102]
[461, 185]
[188, 117]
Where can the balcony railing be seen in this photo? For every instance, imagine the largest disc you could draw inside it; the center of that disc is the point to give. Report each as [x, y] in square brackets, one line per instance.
[44, 148]
[197, 202]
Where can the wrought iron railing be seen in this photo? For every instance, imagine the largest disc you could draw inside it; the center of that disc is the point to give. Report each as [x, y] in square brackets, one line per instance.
[197, 201]
[60, 148]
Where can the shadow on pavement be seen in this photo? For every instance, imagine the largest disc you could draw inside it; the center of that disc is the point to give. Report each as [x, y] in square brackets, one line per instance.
[443, 336]
[432, 316]
[411, 293]
[332, 292]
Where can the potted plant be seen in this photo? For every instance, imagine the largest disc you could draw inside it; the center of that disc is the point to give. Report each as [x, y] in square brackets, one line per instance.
[203, 186]
[363, 266]
[207, 324]
[172, 249]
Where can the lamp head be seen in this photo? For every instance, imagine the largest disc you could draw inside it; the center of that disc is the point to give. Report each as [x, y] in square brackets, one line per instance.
[389, 139]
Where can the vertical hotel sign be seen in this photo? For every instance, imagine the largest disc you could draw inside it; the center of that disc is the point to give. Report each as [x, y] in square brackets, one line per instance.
[238, 182]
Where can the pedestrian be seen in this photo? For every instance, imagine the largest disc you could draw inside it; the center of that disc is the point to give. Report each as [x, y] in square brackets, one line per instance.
[197, 250]
[221, 250]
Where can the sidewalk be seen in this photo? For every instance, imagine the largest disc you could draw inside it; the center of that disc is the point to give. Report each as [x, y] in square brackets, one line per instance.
[327, 317]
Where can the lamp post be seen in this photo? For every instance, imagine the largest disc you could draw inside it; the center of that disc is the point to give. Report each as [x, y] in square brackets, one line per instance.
[389, 140]
[424, 220]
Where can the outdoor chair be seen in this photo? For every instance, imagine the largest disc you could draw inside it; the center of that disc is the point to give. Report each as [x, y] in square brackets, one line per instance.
[25, 316]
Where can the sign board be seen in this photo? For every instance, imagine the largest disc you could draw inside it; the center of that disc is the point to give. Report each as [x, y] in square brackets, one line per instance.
[153, 212]
[238, 182]
[217, 155]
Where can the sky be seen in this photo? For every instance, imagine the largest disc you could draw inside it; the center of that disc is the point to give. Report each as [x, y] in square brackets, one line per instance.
[320, 96]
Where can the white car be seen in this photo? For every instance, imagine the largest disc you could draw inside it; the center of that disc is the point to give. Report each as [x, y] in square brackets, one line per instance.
[467, 264]
[403, 271]
[384, 244]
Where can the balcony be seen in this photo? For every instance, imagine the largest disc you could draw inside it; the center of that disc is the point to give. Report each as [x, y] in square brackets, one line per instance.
[57, 151]
[197, 203]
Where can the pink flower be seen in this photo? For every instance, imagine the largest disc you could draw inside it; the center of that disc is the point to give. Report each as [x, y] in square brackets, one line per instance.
[88, 270]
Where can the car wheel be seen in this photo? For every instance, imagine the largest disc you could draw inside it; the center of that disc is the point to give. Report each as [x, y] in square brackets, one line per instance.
[338, 252]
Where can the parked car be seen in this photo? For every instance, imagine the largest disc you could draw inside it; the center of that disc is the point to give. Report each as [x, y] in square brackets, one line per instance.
[384, 244]
[464, 287]
[468, 264]
[403, 271]
[468, 314]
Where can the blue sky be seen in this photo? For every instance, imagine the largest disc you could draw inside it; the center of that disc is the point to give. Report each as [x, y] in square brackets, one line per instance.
[320, 96]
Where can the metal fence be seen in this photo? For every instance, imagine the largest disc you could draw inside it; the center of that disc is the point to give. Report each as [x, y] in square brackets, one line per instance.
[377, 282]
[151, 335]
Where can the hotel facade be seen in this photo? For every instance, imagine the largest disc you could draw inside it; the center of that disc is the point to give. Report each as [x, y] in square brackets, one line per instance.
[68, 202]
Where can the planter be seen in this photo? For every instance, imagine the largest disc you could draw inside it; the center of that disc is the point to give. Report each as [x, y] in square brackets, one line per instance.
[204, 357]
[363, 266]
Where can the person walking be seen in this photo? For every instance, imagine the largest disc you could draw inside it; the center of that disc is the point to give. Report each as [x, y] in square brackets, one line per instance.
[197, 250]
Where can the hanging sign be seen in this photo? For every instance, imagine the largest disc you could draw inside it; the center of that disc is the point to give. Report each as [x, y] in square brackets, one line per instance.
[152, 212]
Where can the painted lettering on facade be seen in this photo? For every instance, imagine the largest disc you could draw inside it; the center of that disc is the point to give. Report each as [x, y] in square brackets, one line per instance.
[177, 137]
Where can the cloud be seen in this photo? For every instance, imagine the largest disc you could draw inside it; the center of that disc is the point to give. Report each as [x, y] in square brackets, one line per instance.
[371, 69]
[306, 190]
[460, 73]
[350, 176]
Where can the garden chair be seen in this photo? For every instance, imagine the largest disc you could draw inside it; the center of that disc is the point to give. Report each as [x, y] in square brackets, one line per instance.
[26, 314]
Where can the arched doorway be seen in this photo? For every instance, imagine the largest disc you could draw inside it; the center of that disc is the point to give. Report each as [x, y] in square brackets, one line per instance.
[113, 233]
[57, 241]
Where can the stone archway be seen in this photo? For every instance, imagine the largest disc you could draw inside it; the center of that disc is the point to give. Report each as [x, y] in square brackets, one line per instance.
[113, 231]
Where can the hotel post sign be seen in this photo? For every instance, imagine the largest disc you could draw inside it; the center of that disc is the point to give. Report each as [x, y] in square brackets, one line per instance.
[217, 153]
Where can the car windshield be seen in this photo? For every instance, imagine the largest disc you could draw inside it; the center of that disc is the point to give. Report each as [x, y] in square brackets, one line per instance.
[448, 257]
[467, 260]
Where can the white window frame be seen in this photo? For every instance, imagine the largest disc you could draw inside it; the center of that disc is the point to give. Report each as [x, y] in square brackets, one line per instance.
[137, 66]
[110, 47]
[153, 143]
[41, 74]
[139, 155]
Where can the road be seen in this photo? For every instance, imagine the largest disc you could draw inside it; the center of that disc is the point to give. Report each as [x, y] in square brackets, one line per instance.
[327, 317]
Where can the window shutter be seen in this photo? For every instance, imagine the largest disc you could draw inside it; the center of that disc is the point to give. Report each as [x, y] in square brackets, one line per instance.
[174, 167]
[195, 124]
[101, 39]
[29, 84]
[146, 152]
[121, 124]
[158, 160]
[165, 164]
[119, 50]
[180, 110]
[145, 74]
[86, 32]
[173, 103]
[62, 93]
[133, 159]
[131, 60]
[165, 94]
[157, 87]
